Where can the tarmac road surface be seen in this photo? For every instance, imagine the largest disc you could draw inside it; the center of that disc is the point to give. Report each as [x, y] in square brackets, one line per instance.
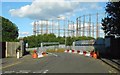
[59, 63]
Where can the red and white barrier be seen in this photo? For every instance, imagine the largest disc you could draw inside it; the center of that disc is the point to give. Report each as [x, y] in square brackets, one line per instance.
[42, 54]
[65, 51]
[74, 51]
[70, 51]
[81, 52]
[87, 54]
[78, 51]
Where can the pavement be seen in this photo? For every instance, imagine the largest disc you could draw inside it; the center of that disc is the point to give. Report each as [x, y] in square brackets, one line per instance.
[10, 61]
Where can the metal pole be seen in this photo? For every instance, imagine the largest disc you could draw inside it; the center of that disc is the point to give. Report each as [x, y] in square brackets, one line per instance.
[97, 33]
[93, 29]
[52, 26]
[77, 27]
[68, 27]
[46, 26]
[34, 28]
[38, 30]
[89, 24]
[83, 25]
[73, 28]
[64, 27]
[42, 26]
[58, 28]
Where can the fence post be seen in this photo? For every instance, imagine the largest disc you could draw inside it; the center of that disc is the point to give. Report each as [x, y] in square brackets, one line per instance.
[21, 47]
[6, 50]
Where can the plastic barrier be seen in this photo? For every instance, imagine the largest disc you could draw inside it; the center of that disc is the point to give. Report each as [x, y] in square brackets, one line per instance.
[78, 51]
[70, 51]
[81, 53]
[65, 51]
[73, 51]
[85, 53]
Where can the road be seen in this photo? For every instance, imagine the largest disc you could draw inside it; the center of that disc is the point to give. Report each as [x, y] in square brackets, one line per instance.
[60, 63]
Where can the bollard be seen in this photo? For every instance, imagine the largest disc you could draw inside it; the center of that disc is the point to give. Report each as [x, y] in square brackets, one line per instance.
[18, 54]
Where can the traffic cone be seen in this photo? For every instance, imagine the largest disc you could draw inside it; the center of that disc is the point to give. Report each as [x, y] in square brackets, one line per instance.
[95, 55]
[34, 55]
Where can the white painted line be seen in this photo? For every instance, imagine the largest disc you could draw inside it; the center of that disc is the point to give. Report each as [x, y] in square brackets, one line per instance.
[37, 72]
[24, 71]
[53, 54]
[9, 72]
[10, 65]
[110, 72]
[45, 71]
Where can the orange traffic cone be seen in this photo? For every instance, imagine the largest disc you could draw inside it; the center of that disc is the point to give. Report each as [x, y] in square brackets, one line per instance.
[34, 55]
[94, 55]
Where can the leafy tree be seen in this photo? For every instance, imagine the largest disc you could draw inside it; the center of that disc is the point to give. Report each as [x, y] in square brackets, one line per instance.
[9, 30]
[34, 41]
[111, 23]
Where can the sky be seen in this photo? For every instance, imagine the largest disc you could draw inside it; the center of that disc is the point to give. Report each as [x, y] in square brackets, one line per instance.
[24, 12]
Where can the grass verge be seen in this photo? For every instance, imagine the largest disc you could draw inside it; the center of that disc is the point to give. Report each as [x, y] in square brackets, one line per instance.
[56, 50]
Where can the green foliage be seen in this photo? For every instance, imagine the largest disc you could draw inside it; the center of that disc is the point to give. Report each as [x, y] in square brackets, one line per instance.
[9, 30]
[111, 23]
[35, 41]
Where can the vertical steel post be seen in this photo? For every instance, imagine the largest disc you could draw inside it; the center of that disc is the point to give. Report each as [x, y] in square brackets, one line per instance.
[77, 27]
[97, 33]
[83, 25]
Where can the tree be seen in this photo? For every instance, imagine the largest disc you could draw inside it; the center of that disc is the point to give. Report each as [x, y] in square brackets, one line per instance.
[111, 23]
[9, 30]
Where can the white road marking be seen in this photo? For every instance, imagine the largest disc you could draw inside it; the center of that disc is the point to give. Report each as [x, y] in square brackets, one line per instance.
[10, 65]
[24, 71]
[110, 72]
[9, 72]
[53, 54]
[45, 71]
